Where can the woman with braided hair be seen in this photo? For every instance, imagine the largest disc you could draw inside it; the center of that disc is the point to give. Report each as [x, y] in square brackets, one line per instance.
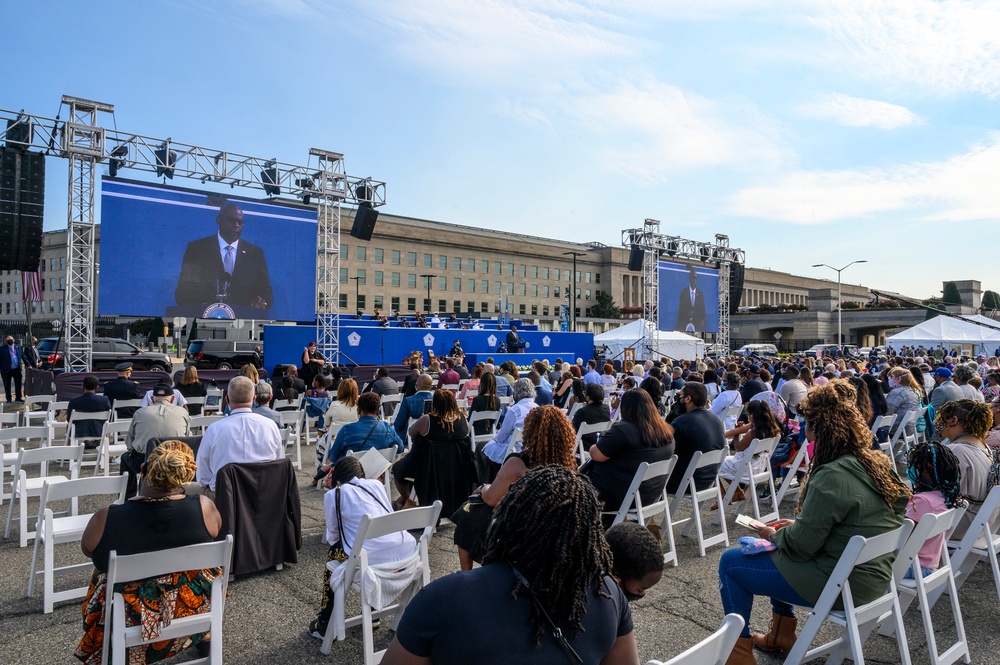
[851, 490]
[160, 517]
[934, 473]
[543, 594]
[549, 438]
[965, 423]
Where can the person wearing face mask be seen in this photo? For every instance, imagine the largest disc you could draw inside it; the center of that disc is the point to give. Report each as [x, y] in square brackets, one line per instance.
[11, 362]
[638, 559]
[904, 395]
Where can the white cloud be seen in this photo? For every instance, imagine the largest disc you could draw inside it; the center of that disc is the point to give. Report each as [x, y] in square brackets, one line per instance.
[859, 112]
[961, 188]
[944, 46]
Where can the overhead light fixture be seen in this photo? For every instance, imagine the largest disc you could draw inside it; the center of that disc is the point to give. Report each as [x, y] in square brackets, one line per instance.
[269, 178]
[364, 193]
[705, 252]
[117, 160]
[165, 161]
[307, 185]
[672, 248]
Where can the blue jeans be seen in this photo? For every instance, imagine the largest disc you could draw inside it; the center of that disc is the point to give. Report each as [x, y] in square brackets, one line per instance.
[924, 572]
[743, 576]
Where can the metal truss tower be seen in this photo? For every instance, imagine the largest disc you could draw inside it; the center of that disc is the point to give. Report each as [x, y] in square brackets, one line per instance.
[85, 144]
[656, 245]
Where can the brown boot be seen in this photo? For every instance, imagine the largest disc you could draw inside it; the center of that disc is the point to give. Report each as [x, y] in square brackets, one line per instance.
[742, 653]
[780, 635]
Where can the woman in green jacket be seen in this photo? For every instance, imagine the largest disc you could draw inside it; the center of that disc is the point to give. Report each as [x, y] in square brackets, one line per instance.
[851, 490]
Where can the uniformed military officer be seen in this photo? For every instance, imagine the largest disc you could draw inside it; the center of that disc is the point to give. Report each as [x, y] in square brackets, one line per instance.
[456, 350]
[123, 388]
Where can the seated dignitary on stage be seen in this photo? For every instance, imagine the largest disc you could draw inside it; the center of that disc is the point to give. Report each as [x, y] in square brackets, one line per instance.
[242, 436]
[160, 420]
[89, 402]
[224, 265]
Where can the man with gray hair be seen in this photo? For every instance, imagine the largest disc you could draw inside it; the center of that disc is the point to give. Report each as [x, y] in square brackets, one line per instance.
[260, 407]
[503, 385]
[962, 375]
[496, 450]
[242, 436]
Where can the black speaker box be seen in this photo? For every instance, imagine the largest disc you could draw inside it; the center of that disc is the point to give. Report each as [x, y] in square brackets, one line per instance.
[635, 258]
[364, 223]
[736, 274]
[22, 196]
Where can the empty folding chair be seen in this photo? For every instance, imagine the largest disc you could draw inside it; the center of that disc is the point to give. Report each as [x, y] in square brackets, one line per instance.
[583, 451]
[36, 409]
[857, 621]
[25, 488]
[112, 445]
[714, 649]
[134, 567]
[917, 587]
[390, 405]
[52, 531]
[292, 445]
[879, 423]
[899, 443]
[12, 419]
[633, 509]
[688, 491]
[198, 424]
[57, 428]
[981, 541]
[355, 573]
[745, 474]
[12, 437]
[799, 464]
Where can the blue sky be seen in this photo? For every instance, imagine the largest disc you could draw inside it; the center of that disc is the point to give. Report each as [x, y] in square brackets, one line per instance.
[808, 131]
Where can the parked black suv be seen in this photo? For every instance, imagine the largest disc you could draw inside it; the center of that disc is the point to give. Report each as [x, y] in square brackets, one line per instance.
[221, 354]
[107, 352]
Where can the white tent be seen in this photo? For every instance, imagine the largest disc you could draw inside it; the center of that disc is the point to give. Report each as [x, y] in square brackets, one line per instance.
[950, 332]
[668, 343]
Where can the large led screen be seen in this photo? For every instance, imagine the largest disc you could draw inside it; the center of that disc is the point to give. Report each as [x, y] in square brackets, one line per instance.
[171, 252]
[689, 298]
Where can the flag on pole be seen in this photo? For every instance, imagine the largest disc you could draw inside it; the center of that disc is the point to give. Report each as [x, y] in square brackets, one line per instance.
[31, 286]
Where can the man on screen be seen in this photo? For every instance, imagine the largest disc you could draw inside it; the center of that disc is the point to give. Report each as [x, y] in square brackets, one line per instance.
[691, 315]
[224, 268]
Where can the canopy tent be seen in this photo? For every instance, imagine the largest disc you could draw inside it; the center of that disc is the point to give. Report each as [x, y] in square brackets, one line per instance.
[965, 333]
[666, 343]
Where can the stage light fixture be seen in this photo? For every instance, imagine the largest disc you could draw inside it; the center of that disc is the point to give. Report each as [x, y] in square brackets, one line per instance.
[364, 193]
[307, 184]
[117, 160]
[672, 248]
[165, 161]
[269, 178]
[705, 252]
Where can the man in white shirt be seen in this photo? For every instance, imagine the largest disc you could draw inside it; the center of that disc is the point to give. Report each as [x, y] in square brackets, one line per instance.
[242, 436]
[792, 389]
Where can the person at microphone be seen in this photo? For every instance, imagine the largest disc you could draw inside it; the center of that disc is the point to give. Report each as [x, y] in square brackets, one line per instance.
[225, 268]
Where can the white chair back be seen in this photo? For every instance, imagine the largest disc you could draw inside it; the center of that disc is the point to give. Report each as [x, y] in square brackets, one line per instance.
[582, 452]
[714, 649]
[120, 404]
[744, 473]
[687, 490]
[632, 507]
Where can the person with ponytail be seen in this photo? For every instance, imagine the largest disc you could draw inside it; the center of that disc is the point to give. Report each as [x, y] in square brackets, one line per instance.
[160, 517]
[851, 490]
[352, 497]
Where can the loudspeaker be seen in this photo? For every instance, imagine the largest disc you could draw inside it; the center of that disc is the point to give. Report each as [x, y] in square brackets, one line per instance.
[22, 195]
[735, 285]
[364, 222]
[635, 258]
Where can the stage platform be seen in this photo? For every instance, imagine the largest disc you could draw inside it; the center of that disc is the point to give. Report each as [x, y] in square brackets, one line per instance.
[521, 359]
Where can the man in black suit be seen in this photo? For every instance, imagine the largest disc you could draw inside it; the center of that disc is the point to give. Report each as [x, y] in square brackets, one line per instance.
[89, 402]
[224, 267]
[513, 341]
[123, 388]
[691, 315]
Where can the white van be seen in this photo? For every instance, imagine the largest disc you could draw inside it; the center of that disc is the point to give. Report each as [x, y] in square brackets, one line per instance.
[758, 349]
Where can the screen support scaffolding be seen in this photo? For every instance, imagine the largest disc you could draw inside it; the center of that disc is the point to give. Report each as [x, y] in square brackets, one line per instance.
[81, 140]
[656, 244]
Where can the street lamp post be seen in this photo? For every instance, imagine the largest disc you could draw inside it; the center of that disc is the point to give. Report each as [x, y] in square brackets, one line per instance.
[840, 310]
[428, 279]
[572, 310]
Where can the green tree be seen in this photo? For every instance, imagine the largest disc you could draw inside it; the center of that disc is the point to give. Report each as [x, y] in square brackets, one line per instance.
[605, 307]
[951, 294]
[991, 300]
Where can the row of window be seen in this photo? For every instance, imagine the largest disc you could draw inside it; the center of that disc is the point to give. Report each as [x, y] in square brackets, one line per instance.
[15, 286]
[55, 263]
[378, 302]
[15, 307]
[499, 268]
[457, 284]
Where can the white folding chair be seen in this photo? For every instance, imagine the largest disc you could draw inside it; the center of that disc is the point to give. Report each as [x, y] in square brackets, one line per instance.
[714, 649]
[196, 401]
[114, 432]
[506, 400]
[930, 526]
[582, 451]
[745, 474]
[12, 419]
[732, 412]
[324, 442]
[74, 439]
[981, 541]
[572, 412]
[199, 424]
[25, 488]
[687, 490]
[471, 394]
[800, 464]
[52, 531]
[390, 456]
[480, 416]
[134, 567]
[641, 513]
[462, 403]
[356, 567]
[515, 439]
[13, 436]
[30, 415]
[213, 401]
[857, 621]
[121, 404]
[292, 445]
[57, 428]
[921, 437]
[390, 405]
[900, 443]
[453, 387]
[879, 423]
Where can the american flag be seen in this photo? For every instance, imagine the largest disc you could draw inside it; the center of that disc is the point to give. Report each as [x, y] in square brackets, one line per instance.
[32, 286]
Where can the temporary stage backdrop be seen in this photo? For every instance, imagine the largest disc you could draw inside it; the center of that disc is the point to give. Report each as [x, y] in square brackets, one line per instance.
[146, 229]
